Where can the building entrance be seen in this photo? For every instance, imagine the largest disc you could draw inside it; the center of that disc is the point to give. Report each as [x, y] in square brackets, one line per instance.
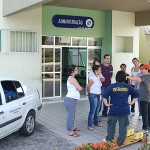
[58, 53]
[78, 57]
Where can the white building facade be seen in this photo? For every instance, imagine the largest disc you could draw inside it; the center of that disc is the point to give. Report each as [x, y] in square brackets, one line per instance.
[22, 29]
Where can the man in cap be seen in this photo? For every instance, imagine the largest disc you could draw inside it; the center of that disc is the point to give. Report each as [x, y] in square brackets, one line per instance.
[144, 98]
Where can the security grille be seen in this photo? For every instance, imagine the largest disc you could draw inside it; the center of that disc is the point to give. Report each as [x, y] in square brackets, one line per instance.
[23, 41]
[19, 41]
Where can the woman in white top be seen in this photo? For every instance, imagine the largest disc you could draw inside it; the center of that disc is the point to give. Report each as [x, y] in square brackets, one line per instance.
[71, 98]
[135, 72]
[94, 91]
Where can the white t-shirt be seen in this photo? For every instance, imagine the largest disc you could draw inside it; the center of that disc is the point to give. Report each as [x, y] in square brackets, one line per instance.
[72, 91]
[96, 86]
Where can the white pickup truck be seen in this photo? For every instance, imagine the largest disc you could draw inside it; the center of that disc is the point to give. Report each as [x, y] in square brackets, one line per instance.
[19, 107]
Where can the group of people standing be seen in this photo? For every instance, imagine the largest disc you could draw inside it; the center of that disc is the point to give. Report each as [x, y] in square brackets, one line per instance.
[114, 97]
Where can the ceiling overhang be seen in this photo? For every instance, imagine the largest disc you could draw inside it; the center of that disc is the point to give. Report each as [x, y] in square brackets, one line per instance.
[119, 5]
[142, 18]
[141, 8]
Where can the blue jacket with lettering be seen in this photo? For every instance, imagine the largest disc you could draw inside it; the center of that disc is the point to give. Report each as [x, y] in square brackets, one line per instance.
[119, 93]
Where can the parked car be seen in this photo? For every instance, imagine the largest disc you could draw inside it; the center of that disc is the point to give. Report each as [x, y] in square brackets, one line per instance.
[19, 107]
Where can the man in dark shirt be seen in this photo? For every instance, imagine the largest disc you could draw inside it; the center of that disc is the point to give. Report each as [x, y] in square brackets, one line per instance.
[119, 107]
[107, 70]
[123, 68]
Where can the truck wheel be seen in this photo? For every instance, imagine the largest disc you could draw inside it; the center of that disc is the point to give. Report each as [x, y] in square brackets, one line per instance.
[29, 125]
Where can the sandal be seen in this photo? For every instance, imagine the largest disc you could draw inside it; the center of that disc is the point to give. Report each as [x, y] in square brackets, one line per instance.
[99, 125]
[76, 129]
[74, 134]
[90, 128]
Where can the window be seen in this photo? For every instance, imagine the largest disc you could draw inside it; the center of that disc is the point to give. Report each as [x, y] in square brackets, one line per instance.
[23, 41]
[12, 90]
[9, 91]
[124, 44]
[47, 40]
[62, 40]
[79, 41]
[19, 89]
[95, 41]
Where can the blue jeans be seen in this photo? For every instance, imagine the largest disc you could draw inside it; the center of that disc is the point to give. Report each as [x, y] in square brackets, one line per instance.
[105, 108]
[70, 104]
[94, 109]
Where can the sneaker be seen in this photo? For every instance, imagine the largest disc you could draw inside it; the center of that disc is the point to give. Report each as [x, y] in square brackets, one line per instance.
[99, 125]
[104, 140]
[90, 128]
[140, 117]
[145, 131]
[131, 114]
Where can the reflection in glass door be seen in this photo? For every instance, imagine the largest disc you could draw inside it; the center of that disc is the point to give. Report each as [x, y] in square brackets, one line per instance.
[93, 53]
[51, 77]
[78, 57]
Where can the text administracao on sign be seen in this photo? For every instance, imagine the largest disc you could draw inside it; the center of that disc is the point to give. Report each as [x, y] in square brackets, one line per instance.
[65, 21]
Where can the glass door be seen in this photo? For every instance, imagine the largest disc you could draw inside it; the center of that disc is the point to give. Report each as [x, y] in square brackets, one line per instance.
[78, 57]
[51, 74]
[93, 53]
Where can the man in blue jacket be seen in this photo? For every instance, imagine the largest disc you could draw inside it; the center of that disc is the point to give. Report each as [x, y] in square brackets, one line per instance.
[119, 107]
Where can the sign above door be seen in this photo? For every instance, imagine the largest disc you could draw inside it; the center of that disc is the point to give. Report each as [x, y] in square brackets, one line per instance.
[66, 21]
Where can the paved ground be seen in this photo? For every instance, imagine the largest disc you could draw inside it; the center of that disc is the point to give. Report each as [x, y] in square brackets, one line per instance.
[42, 139]
[53, 117]
[51, 134]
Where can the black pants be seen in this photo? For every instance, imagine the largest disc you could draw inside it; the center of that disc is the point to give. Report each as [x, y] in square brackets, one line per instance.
[145, 112]
[132, 106]
[105, 108]
[111, 128]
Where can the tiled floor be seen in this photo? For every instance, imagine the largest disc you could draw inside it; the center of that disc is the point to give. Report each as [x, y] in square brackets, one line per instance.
[53, 117]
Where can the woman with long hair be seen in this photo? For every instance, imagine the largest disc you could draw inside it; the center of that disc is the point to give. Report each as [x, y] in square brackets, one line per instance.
[135, 72]
[71, 98]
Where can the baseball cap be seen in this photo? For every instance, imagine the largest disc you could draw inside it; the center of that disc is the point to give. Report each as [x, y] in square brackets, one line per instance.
[146, 66]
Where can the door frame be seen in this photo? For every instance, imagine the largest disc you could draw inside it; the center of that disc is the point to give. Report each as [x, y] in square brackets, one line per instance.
[54, 48]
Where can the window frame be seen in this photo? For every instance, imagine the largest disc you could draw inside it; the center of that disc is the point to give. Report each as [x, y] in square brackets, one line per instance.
[20, 96]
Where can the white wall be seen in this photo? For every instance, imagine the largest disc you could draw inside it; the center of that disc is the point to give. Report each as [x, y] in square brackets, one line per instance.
[123, 24]
[12, 6]
[25, 66]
